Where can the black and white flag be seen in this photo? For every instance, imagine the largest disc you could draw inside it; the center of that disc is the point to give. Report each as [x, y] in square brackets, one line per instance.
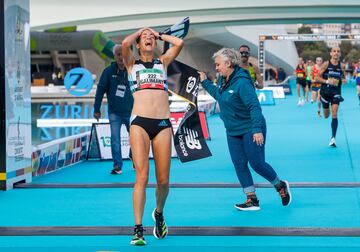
[183, 81]
[189, 140]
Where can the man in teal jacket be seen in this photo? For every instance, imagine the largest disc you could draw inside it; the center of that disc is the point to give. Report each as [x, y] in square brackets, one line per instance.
[113, 82]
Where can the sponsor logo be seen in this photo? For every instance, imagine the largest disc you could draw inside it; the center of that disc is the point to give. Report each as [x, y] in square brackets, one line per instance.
[182, 146]
[334, 73]
[106, 141]
[78, 81]
[190, 139]
[262, 97]
[163, 123]
[191, 86]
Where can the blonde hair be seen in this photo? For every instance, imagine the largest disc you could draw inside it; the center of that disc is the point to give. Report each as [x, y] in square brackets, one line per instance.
[228, 54]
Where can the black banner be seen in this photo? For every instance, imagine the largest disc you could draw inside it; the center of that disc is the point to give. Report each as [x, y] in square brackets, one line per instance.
[189, 141]
[179, 30]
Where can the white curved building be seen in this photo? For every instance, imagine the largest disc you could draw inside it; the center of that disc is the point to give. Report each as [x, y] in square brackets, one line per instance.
[214, 24]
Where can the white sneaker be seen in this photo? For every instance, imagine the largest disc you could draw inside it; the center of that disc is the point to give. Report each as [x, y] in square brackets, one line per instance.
[332, 142]
[301, 102]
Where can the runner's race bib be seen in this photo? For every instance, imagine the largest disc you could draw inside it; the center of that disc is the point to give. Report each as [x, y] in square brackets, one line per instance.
[334, 82]
[151, 78]
[300, 75]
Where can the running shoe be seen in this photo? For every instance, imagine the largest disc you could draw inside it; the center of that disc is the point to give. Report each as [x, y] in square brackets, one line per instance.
[138, 238]
[332, 142]
[160, 229]
[301, 102]
[116, 171]
[319, 113]
[284, 190]
[249, 205]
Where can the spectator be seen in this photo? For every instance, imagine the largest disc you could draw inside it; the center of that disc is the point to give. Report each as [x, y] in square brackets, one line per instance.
[113, 82]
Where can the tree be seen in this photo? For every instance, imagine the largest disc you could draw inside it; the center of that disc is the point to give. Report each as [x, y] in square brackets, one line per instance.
[345, 47]
[313, 54]
[301, 46]
[353, 56]
[304, 30]
[311, 50]
[314, 50]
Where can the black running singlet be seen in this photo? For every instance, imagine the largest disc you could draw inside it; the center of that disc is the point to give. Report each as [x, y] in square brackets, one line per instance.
[335, 73]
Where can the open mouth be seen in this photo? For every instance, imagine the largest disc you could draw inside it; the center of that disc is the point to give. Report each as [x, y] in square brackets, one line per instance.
[148, 43]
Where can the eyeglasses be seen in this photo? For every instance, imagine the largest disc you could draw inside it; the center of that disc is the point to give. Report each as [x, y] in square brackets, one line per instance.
[245, 54]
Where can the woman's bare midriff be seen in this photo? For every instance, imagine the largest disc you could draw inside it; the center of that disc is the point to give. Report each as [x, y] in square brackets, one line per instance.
[151, 103]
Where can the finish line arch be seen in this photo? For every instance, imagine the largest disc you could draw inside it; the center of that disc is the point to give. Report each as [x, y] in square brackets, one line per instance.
[296, 37]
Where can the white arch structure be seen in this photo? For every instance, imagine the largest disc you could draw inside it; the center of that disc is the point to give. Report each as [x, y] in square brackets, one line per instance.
[214, 24]
[297, 37]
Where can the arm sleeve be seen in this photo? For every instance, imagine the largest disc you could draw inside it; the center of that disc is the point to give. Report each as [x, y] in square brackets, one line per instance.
[248, 95]
[211, 89]
[102, 87]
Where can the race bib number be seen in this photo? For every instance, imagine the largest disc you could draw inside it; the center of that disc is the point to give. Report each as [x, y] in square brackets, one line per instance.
[151, 78]
[333, 82]
[300, 75]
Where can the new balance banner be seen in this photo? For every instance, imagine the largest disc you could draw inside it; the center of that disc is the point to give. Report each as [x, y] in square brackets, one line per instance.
[177, 117]
[189, 140]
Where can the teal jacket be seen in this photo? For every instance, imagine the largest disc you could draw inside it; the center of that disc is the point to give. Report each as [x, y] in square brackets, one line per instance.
[239, 106]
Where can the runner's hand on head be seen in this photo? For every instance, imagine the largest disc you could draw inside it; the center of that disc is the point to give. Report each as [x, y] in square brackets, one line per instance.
[156, 34]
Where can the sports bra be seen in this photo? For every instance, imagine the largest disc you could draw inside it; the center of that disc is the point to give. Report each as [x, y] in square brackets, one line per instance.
[148, 75]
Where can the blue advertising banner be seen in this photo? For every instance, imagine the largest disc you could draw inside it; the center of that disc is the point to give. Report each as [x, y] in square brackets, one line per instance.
[286, 87]
[266, 97]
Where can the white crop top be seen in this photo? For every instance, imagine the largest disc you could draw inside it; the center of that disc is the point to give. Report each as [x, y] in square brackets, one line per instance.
[148, 75]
